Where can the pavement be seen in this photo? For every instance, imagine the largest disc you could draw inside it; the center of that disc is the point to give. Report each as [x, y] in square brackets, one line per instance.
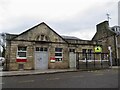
[35, 72]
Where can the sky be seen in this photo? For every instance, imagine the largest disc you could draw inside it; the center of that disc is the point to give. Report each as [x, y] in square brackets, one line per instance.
[67, 17]
[119, 13]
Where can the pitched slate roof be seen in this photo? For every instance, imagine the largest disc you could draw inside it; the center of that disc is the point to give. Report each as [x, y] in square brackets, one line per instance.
[10, 36]
[70, 37]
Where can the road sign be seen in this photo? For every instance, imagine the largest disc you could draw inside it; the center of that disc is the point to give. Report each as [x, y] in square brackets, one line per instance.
[98, 49]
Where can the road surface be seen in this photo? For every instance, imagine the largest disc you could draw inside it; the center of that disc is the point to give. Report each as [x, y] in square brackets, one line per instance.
[82, 79]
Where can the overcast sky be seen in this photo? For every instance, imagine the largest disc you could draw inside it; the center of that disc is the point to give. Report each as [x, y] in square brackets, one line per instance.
[67, 17]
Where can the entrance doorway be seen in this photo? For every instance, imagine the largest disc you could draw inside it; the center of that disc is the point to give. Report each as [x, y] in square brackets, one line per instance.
[41, 58]
[72, 58]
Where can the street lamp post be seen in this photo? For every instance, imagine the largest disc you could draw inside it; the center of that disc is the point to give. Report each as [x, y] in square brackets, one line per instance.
[110, 50]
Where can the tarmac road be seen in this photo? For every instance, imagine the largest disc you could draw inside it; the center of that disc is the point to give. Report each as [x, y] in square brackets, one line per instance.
[83, 79]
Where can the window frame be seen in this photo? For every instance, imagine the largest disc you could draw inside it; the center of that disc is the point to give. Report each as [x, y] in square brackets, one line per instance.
[89, 56]
[41, 49]
[60, 51]
[84, 56]
[72, 50]
[22, 51]
[42, 37]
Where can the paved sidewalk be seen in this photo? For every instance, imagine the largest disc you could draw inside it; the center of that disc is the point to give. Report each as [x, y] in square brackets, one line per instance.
[115, 67]
[35, 72]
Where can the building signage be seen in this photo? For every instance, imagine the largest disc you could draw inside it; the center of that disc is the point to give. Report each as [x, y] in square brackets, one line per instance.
[52, 59]
[21, 60]
[98, 49]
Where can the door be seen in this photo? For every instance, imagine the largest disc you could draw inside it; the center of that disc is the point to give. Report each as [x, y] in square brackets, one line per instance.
[72, 60]
[41, 58]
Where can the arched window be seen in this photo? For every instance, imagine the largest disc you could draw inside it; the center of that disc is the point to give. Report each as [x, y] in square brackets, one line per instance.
[38, 37]
[42, 37]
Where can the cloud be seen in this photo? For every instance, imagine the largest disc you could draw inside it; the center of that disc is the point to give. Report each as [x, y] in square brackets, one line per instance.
[83, 25]
[67, 17]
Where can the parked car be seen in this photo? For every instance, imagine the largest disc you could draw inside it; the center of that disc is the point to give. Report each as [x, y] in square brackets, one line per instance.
[2, 61]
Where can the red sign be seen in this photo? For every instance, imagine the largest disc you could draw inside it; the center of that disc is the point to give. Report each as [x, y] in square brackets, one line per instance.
[21, 60]
[52, 58]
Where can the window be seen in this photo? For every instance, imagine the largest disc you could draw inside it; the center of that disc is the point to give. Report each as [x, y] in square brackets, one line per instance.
[71, 50]
[37, 49]
[89, 54]
[21, 48]
[42, 37]
[22, 52]
[84, 53]
[58, 49]
[46, 38]
[41, 49]
[38, 38]
[58, 54]
[45, 49]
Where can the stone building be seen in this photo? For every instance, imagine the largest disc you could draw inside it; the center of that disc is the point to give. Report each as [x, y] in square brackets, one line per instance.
[40, 47]
[109, 37]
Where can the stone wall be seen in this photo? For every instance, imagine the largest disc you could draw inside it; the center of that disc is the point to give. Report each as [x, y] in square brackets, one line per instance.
[11, 55]
[59, 64]
[14, 65]
[107, 38]
[32, 39]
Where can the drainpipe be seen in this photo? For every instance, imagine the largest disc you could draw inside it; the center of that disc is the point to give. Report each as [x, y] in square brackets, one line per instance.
[116, 39]
[0, 50]
[8, 57]
[115, 46]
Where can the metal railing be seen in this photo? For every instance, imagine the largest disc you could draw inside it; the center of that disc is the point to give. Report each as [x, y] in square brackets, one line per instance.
[92, 60]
